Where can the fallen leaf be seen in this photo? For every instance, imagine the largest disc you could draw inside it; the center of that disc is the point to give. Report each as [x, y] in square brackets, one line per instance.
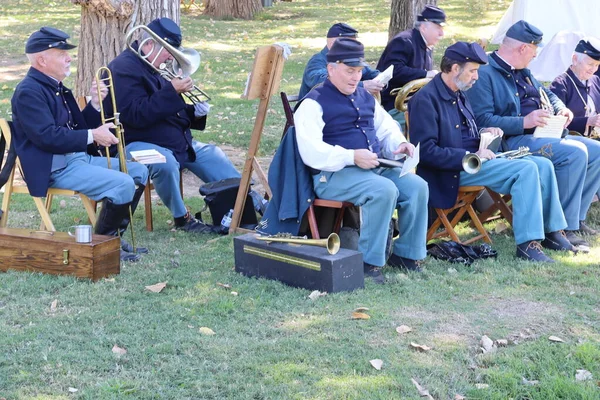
[109, 279]
[459, 397]
[500, 227]
[156, 288]
[72, 390]
[502, 342]
[224, 285]
[527, 382]
[359, 315]
[234, 293]
[377, 364]
[62, 204]
[452, 270]
[206, 331]
[361, 309]
[482, 385]
[422, 391]
[555, 339]
[53, 306]
[118, 350]
[487, 344]
[420, 347]
[583, 375]
[315, 294]
[403, 329]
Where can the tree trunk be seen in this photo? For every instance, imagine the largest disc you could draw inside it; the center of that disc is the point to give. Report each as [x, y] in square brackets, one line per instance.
[404, 13]
[222, 9]
[104, 24]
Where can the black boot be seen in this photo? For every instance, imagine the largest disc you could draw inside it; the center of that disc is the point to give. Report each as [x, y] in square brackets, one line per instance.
[125, 223]
[109, 222]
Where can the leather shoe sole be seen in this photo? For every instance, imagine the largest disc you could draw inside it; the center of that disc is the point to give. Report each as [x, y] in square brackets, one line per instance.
[404, 263]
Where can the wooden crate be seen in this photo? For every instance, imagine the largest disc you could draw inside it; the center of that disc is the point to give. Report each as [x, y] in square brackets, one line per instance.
[57, 253]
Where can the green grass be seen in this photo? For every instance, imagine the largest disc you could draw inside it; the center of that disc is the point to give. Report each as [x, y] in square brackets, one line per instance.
[271, 341]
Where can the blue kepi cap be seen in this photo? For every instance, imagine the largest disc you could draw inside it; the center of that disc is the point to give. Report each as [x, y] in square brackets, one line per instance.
[167, 29]
[47, 38]
[347, 51]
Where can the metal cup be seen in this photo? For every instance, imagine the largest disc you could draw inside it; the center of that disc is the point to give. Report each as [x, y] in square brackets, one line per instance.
[83, 233]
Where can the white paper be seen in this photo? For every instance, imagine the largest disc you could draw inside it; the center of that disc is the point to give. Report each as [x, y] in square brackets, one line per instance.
[553, 129]
[385, 76]
[411, 163]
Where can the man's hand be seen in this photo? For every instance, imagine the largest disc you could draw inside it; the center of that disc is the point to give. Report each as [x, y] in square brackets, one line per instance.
[594, 120]
[432, 73]
[405, 148]
[567, 113]
[201, 109]
[365, 159]
[536, 118]
[373, 86]
[182, 85]
[94, 93]
[494, 131]
[103, 136]
[485, 153]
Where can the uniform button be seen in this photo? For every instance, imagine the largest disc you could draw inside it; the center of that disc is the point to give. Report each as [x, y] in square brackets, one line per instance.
[455, 176]
[358, 117]
[351, 99]
[453, 102]
[457, 126]
[357, 126]
[519, 115]
[357, 108]
[308, 200]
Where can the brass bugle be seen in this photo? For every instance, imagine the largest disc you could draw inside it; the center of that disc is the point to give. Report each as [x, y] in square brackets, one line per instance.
[332, 243]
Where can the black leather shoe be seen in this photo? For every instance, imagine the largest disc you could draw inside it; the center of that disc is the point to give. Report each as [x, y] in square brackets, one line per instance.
[557, 240]
[404, 263]
[125, 256]
[584, 229]
[194, 226]
[576, 240]
[125, 246]
[375, 274]
[532, 251]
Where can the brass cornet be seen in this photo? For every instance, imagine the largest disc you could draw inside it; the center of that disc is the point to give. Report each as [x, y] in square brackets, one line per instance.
[104, 75]
[471, 162]
[185, 61]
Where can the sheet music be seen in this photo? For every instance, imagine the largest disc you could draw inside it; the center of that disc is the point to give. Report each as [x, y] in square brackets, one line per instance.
[553, 129]
[385, 76]
[411, 163]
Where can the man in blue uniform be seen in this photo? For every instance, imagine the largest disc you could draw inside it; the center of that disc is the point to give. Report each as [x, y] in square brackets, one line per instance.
[341, 132]
[316, 69]
[51, 137]
[155, 116]
[443, 122]
[410, 52]
[508, 96]
[579, 88]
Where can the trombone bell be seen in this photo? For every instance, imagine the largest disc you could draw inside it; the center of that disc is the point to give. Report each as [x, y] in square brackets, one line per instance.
[332, 243]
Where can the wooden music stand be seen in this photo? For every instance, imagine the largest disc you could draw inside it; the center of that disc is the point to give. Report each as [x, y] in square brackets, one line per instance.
[263, 82]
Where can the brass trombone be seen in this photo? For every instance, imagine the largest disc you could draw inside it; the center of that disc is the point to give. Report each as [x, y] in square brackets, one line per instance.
[332, 243]
[185, 61]
[108, 82]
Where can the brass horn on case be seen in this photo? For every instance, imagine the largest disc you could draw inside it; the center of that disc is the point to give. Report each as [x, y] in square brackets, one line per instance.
[332, 243]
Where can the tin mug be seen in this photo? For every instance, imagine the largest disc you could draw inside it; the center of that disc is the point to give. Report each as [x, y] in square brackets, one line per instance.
[83, 233]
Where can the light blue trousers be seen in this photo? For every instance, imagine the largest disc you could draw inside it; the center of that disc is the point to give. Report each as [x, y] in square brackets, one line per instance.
[211, 165]
[378, 192]
[91, 176]
[532, 185]
[576, 162]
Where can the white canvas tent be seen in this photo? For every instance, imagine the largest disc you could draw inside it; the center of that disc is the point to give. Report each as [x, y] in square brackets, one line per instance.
[574, 19]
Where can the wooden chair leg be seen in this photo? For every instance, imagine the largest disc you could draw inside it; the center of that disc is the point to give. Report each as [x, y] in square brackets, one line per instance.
[312, 223]
[339, 219]
[46, 220]
[148, 207]
[90, 208]
[8, 190]
[484, 235]
[442, 215]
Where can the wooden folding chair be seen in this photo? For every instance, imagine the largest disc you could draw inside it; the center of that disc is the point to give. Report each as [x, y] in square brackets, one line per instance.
[42, 207]
[312, 218]
[499, 209]
[464, 203]
[287, 109]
